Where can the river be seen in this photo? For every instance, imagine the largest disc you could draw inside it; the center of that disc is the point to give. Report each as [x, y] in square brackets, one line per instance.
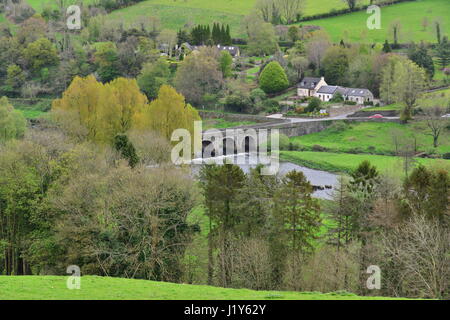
[317, 178]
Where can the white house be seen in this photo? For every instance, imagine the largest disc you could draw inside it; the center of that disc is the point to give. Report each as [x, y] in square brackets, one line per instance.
[317, 87]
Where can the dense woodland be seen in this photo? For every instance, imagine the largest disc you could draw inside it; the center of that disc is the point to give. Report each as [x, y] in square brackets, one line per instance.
[92, 184]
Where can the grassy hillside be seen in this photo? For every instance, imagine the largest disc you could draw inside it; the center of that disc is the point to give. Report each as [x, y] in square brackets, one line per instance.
[373, 137]
[100, 288]
[344, 162]
[175, 14]
[353, 27]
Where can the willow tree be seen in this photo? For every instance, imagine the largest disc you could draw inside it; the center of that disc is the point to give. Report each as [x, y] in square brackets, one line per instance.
[104, 110]
[167, 113]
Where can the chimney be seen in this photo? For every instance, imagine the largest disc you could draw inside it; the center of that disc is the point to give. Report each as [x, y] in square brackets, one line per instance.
[322, 78]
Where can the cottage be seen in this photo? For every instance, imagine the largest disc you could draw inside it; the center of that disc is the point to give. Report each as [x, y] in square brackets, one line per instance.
[309, 86]
[317, 87]
[326, 93]
[360, 96]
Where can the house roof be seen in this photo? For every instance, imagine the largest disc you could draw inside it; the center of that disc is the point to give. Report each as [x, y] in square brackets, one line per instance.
[327, 89]
[358, 92]
[233, 50]
[308, 83]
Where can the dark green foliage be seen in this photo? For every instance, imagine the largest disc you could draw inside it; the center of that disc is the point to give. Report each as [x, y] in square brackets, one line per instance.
[313, 105]
[365, 177]
[387, 47]
[273, 79]
[443, 52]
[419, 55]
[427, 193]
[126, 149]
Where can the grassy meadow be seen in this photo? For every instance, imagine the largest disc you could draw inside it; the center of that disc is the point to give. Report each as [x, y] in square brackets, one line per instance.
[175, 14]
[346, 163]
[373, 137]
[353, 27]
[105, 288]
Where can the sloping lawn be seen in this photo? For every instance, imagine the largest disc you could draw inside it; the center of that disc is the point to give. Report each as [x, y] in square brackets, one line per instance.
[353, 27]
[346, 163]
[104, 288]
[374, 137]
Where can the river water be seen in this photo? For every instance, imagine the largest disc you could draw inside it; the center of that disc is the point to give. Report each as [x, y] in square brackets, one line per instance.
[317, 178]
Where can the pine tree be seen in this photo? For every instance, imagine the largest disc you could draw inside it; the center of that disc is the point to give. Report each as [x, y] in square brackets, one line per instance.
[443, 52]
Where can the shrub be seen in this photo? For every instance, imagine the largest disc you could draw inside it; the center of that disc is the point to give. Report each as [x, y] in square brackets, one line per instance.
[350, 103]
[273, 79]
[337, 97]
[313, 105]
[319, 148]
[446, 156]
[299, 110]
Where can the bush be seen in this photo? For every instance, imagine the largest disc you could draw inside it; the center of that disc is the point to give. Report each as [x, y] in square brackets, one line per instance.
[319, 148]
[273, 79]
[446, 156]
[313, 105]
[350, 103]
[299, 110]
[337, 97]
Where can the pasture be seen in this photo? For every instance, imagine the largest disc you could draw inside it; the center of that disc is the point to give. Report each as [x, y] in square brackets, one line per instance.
[373, 137]
[105, 288]
[353, 27]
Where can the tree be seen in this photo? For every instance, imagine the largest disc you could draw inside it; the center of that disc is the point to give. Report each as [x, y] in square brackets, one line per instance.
[39, 54]
[365, 177]
[402, 82]
[335, 65]
[153, 76]
[443, 52]
[395, 28]
[296, 215]
[273, 78]
[316, 47]
[261, 36]
[387, 47]
[15, 77]
[220, 186]
[167, 40]
[126, 149]
[167, 113]
[435, 123]
[225, 61]
[12, 123]
[105, 110]
[107, 60]
[199, 74]
[294, 33]
[420, 56]
[351, 4]
[291, 10]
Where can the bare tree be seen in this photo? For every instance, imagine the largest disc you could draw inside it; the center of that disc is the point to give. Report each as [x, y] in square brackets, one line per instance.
[435, 123]
[351, 4]
[290, 9]
[419, 249]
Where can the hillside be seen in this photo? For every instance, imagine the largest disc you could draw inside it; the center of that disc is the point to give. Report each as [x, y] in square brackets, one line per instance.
[101, 288]
[352, 27]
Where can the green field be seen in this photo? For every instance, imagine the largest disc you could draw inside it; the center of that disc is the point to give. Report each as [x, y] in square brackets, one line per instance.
[373, 137]
[175, 14]
[345, 163]
[353, 27]
[103, 288]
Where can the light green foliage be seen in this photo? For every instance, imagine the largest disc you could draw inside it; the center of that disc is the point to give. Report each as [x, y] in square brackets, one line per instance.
[152, 77]
[273, 78]
[40, 53]
[225, 62]
[12, 123]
